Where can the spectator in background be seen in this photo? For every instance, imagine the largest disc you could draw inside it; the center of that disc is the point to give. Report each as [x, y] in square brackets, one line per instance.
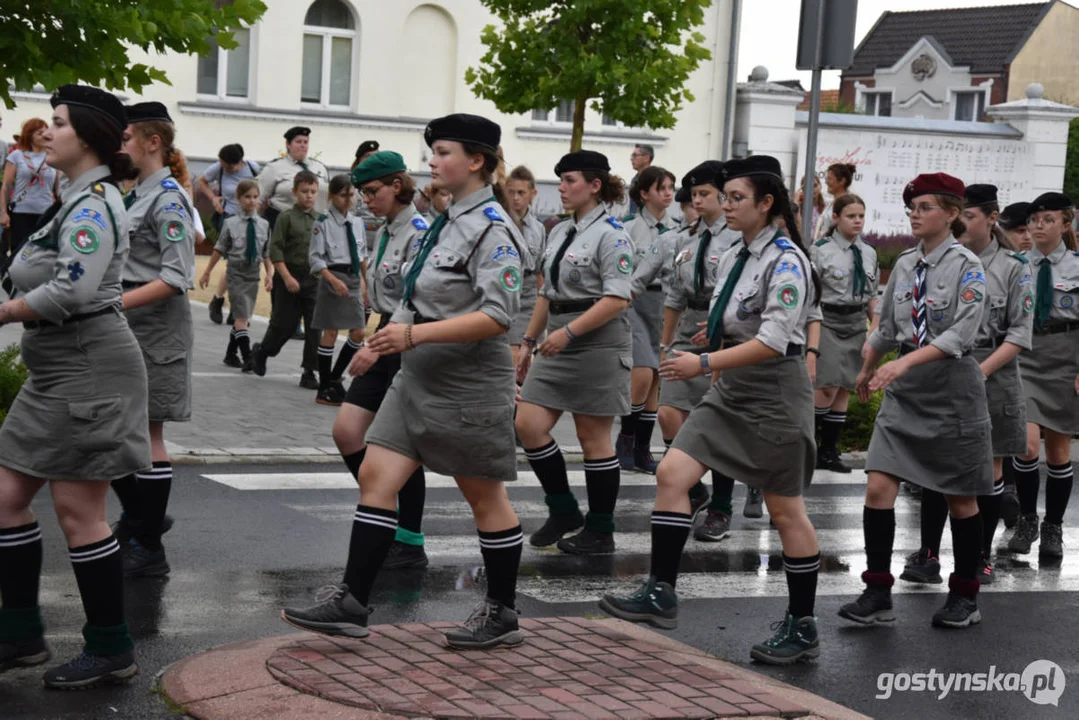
[218, 184]
[31, 186]
[818, 205]
[276, 179]
[837, 179]
[439, 201]
[371, 224]
[641, 158]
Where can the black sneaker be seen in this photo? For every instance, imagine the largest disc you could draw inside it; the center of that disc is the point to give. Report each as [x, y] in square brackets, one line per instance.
[794, 640]
[829, 460]
[124, 530]
[491, 624]
[308, 381]
[87, 671]
[330, 396]
[716, 526]
[336, 612]
[403, 557]
[216, 306]
[754, 507]
[1026, 533]
[588, 542]
[258, 359]
[644, 462]
[143, 562]
[230, 319]
[654, 602]
[233, 361]
[698, 499]
[1009, 506]
[986, 576]
[555, 528]
[959, 611]
[248, 366]
[922, 567]
[1052, 544]
[23, 653]
[873, 606]
[623, 448]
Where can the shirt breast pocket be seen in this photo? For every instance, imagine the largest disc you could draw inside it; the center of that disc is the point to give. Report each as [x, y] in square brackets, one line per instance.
[1066, 293]
[747, 301]
[902, 296]
[450, 262]
[940, 310]
[998, 309]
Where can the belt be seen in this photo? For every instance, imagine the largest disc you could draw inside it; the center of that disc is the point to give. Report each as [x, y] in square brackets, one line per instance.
[842, 309]
[1057, 327]
[346, 269]
[571, 306]
[654, 288]
[905, 349]
[35, 324]
[129, 284]
[698, 303]
[792, 349]
[990, 343]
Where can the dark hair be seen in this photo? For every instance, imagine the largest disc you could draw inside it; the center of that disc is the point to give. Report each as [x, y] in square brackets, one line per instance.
[843, 172]
[524, 175]
[951, 202]
[339, 183]
[245, 186]
[306, 177]
[490, 167]
[995, 231]
[1069, 234]
[782, 208]
[231, 154]
[649, 178]
[842, 203]
[104, 138]
[613, 188]
[647, 150]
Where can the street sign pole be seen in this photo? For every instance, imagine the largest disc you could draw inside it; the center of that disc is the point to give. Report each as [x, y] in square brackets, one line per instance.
[811, 139]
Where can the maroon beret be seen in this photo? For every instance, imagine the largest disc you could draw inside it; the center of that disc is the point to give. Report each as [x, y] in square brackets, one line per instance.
[934, 184]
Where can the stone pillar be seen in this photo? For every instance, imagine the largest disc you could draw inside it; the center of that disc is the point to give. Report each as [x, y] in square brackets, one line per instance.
[1044, 123]
[764, 120]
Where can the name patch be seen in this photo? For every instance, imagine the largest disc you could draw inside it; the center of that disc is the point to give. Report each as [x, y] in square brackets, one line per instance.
[92, 215]
[175, 208]
[787, 266]
[504, 251]
[973, 276]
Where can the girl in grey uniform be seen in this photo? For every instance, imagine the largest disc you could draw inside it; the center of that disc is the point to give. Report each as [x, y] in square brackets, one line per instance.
[1050, 373]
[450, 408]
[684, 198]
[584, 363]
[338, 256]
[653, 244]
[1013, 221]
[79, 420]
[383, 180]
[160, 270]
[933, 426]
[848, 270]
[756, 422]
[520, 192]
[1004, 333]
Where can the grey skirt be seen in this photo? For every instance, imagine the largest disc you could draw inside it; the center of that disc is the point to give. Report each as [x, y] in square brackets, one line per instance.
[685, 394]
[756, 424]
[82, 413]
[519, 324]
[589, 377]
[166, 336]
[243, 284]
[1048, 370]
[933, 429]
[646, 325]
[1007, 407]
[841, 341]
[333, 312]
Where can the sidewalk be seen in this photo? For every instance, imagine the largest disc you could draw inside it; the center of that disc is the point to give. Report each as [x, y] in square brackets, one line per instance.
[566, 668]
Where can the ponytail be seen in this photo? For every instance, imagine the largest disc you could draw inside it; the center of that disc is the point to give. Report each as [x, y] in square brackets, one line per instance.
[178, 165]
[490, 172]
[1069, 233]
[1001, 237]
[782, 208]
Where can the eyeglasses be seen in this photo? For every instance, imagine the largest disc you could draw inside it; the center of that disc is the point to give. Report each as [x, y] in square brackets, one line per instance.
[733, 199]
[922, 209]
[1041, 220]
[370, 192]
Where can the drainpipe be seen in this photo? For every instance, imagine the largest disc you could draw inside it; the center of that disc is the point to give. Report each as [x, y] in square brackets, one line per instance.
[732, 78]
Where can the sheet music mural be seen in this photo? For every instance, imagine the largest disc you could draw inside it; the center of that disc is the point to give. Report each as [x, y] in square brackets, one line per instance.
[887, 161]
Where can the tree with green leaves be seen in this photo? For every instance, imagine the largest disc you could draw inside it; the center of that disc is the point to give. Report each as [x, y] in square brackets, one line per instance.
[631, 60]
[55, 42]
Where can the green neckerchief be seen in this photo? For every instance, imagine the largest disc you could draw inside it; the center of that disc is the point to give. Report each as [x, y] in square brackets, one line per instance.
[251, 252]
[1044, 304]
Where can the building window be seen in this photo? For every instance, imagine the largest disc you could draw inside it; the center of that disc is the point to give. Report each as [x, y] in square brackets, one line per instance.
[878, 103]
[329, 42]
[561, 114]
[969, 106]
[227, 73]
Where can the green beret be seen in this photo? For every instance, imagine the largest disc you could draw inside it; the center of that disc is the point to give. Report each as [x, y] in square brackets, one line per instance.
[381, 164]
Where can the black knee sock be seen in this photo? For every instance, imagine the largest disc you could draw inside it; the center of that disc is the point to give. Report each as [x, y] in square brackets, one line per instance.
[629, 422]
[602, 478]
[830, 428]
[127, 489]
[722, 490]
[801, 584]
[669, 533]
[20, 566]
[502, 557]
[99, 573]
[154, 489]
[1007, 471]
[879, 529]
[343, 359]
[1058, 490]
[410, 501]
[646, 422]
[967, 546]
[989, 509]
[325, 360]
[550, 467]
[818, 421]
[373, 530]
[354, 461]
[243, 342]
[231, 350]
[934, 514]
[1026, 484]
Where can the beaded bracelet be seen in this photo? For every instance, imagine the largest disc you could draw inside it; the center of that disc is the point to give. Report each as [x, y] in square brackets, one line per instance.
[408, 337]
[569, 332]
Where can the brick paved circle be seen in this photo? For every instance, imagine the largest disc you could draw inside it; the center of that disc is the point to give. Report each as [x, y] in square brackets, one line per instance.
[566, 668]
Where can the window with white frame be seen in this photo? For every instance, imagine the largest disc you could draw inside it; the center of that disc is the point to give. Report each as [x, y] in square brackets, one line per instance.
[329, 46]
[561, 114]
[226, 74]
[877, 103]
[969, 106]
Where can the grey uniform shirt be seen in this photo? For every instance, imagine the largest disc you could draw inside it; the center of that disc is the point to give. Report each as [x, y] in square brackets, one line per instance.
[224, 183]
[833, 258]
[475, 265]
[72, 265]
[1011, 297]
[370, 222]
[275, 182]
[681, 288]
[598, 261]
[162, 233]
[329, 241]
[653, 246]
[1064, 267]
[956, 297]
[773, 297]
[232, 242]
[397, 243]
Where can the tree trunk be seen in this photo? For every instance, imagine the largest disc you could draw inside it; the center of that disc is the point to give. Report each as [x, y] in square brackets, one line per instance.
[578, 124]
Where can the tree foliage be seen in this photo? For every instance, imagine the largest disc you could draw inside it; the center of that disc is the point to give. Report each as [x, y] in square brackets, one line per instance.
[631, 60]
[54, 42]
[1071, 165]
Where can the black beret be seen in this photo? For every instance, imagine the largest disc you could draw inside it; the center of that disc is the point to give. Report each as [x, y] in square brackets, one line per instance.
[582, 160]
[297, 130]
[684, 195]
[934, 184]
[1015, 215]
[1050, 201]
[464, 128]
[147, 111]
[752, 165]
[978, 195]
[367, 146]
[91, 98]
[704, 174]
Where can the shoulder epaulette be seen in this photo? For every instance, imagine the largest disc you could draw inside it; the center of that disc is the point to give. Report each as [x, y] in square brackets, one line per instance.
[822, 242]
[1022, 258]
[783, 243]
[629, 217]
[322, 217]
[170, 184]
[492, 214]
[614, 223]
[419, 223]
[97, 189]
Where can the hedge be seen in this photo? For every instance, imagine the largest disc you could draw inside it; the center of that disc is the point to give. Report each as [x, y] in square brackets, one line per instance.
[12, 375]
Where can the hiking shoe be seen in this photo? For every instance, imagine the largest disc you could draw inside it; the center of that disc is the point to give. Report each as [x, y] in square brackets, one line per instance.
[124, 529]
[140, 561]
[555, 528]
[249, 365]
[490, 624]
[588, 542]
[23, 653]
[258, 359]
[654, 602]
[986, 575]
[308, 381]
[829, 460]
[87, 671]
[1026, 533]
[754, 507]
[873, 606]
[794, 640]
[644, 462]
[698, 499]
[404, 557]
[716, 526]
[922, 567]
[1009, 506]
[623, 448]
[330, 396]
[335, 612]
[1052, 544]
[216, 306]
[233, 361]
[959, 611]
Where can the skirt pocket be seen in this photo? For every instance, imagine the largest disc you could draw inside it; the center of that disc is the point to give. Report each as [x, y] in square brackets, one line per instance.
[776, 444]
[96, 423]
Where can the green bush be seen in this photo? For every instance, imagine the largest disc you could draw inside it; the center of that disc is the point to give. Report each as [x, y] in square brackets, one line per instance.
[12, 375]
[861, 416]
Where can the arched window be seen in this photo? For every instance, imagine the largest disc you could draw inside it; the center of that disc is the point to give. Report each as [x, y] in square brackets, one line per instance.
[329, 47]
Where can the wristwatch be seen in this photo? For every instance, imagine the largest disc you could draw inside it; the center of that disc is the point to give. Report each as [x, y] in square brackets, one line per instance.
[704, 362]
[815, 351]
